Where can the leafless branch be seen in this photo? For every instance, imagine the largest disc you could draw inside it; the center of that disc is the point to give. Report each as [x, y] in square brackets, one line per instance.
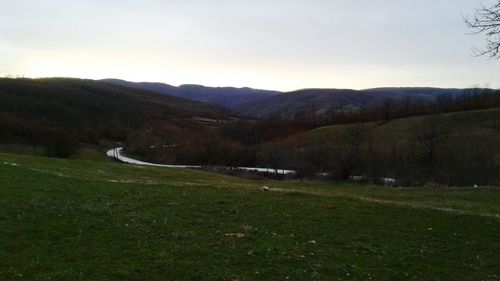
[487, 21]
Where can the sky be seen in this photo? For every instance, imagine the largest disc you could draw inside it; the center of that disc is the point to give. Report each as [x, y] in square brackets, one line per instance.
[268, 44]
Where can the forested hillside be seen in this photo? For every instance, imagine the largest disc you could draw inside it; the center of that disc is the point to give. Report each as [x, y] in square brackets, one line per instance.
[323, 103]
[60, 113]
[460, 148]
[415, 142]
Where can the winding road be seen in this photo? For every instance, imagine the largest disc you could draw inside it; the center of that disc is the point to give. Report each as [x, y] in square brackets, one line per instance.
[117, 154]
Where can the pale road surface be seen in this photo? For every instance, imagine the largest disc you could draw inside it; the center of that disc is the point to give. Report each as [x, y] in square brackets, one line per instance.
[117, 153]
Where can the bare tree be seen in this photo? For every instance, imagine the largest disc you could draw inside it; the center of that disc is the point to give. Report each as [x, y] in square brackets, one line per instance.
[487, 21]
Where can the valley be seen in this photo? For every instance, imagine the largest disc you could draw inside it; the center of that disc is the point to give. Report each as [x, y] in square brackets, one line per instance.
[250, 140]
[105, 182]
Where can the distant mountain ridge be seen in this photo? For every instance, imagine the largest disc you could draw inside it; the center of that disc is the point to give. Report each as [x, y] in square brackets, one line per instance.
[229, 97]
[324, 100]
[263, 104]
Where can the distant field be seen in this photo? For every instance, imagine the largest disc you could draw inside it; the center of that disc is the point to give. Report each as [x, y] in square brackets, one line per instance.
[85, 220]
[476, 126]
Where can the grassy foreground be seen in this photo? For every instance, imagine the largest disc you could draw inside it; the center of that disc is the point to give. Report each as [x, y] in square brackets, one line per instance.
[77, 220]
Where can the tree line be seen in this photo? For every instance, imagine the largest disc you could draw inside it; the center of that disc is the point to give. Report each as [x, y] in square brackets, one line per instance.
[431, 152]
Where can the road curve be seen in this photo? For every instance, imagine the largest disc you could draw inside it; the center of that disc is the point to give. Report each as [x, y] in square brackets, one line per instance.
[117, 154]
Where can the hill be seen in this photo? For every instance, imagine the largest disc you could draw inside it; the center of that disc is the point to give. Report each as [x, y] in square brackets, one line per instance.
[228, 97]
[322, 101]
[482, 124]
[74, 220]
[61, 111]
[298, 104]
[460, 148]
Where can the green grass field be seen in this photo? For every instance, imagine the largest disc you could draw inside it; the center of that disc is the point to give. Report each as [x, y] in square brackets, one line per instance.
[84, 220]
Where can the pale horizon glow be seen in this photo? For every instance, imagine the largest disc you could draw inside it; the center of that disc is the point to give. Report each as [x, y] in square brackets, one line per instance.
[276, 44]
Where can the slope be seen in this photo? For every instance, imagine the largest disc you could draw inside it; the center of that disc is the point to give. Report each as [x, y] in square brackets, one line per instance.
[32, 110]
[453, 149]
[480, 125]
[73, 220]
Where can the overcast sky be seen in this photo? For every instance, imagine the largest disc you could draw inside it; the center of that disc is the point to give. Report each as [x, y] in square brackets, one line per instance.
[272, 44]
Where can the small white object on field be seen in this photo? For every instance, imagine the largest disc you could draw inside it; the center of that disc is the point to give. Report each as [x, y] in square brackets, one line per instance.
[265, 188]
[475, 186]
[388, 180]
[357, 178]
